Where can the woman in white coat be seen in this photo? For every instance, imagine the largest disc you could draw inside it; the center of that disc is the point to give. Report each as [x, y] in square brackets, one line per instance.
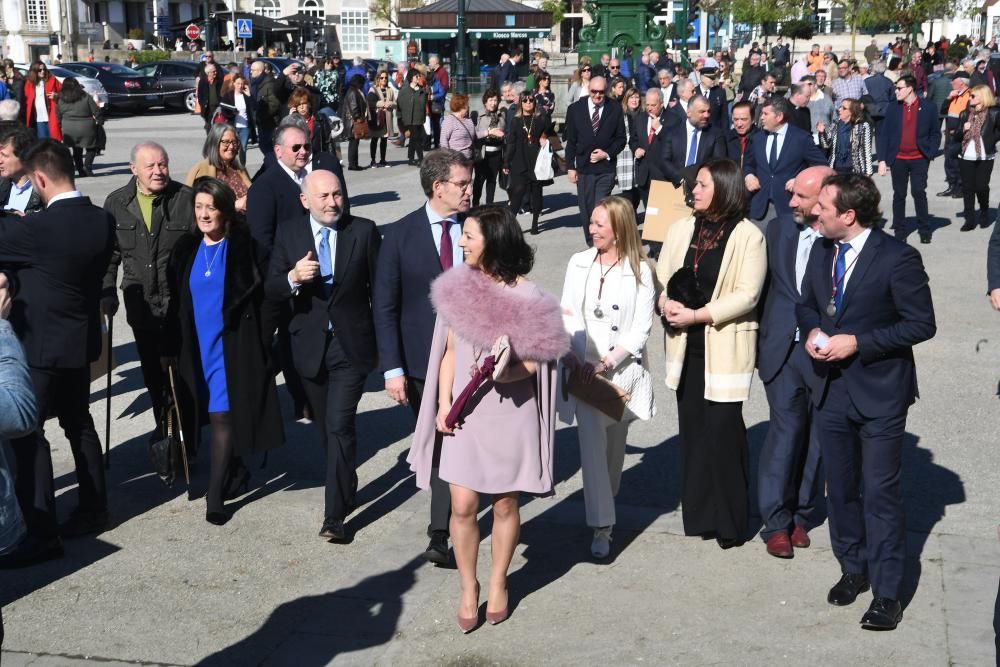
[607, 303]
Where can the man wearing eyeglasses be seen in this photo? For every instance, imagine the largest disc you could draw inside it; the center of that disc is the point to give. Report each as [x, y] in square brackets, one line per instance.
[416, 250]
[908, 141]
[595, 135]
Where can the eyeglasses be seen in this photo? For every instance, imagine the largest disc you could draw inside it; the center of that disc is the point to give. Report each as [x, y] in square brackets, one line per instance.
[585, 69]
[901, 87]
[229, 142]
[461, 185]
[597, 92]
[527, 100]
[297, 147]
[614, 67]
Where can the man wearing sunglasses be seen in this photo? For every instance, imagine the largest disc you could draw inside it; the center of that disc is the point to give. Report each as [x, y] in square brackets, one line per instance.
[595, 135]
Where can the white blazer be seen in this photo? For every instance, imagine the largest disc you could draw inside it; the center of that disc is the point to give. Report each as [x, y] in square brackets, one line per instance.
[630, 323]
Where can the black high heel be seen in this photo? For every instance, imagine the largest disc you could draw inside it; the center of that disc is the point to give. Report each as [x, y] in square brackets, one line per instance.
[237, 482]
[218, 518]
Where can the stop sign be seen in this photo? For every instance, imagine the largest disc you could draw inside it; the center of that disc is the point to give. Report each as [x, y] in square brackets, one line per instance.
[192, 31]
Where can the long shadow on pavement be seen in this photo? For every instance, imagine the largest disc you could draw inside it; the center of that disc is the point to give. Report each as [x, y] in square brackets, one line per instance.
[315, 629]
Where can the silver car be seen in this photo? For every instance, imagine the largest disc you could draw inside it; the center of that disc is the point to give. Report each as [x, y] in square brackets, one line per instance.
[92, 87]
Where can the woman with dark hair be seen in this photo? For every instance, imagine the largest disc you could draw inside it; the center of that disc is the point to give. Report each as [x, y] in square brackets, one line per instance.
[529, 132]
[713, 264]
[489, 132]
[327, 81]
[607, 305]
[320, 131]
[41, 90]
[355, 108]
[76, 113]
[239, 109]
[545, 99]
[14, 81]
[221, 160]
[977, 132]
[849, 140]
[223, 342]
[616, 90]
[497, 435]
[381, 115]
[625, 166]
[413, 113]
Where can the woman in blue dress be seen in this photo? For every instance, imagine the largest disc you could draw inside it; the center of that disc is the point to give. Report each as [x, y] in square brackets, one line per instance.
[225, 327]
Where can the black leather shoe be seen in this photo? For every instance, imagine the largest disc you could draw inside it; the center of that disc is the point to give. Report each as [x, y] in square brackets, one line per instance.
[949, 191]
[925, 238]
[218, 518]
[333, 529]
[31, 551]
[437, 549]
[846, 591]
[883, 614]
[84, 522]
[957, 194]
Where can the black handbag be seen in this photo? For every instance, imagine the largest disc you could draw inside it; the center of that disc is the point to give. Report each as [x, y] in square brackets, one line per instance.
[169, 452]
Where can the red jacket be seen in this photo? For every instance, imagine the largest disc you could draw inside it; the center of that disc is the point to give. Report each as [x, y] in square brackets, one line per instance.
[52, 85]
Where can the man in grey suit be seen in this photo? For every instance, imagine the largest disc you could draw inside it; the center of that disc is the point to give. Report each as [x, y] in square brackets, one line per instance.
[788, 474]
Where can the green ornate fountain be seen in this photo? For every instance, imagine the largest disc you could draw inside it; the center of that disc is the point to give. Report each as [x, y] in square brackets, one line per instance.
[619, 24]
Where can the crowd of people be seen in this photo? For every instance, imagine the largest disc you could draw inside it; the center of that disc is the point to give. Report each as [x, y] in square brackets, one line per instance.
[782, 269]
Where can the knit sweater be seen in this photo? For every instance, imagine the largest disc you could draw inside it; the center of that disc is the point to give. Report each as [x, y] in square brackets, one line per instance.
[731, 341]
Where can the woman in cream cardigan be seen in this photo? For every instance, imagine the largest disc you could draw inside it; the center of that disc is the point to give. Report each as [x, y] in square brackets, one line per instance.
[711, 347]
[607, 304]
[221, 154]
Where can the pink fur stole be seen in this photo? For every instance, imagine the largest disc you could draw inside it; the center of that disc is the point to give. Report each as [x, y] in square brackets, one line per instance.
[481, 310]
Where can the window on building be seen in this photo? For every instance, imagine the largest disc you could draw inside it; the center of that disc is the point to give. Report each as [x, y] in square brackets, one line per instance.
[38, 15]
[268, 8]
[355, 36]
[312, 8]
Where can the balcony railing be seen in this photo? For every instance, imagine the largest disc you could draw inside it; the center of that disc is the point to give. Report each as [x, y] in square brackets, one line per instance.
[37, 26]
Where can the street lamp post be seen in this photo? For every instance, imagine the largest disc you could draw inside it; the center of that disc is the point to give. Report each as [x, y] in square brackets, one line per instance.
[460, 63]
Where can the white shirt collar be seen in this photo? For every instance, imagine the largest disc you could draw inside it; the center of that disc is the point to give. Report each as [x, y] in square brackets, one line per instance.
[317, 227]
[783, 130]
[858, 242]
[291, 174]
[433, 217]
[72, 194]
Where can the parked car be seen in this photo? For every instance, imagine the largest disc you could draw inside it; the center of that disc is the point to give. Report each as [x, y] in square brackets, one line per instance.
[90, 86]
[174, 81]
[128, 90]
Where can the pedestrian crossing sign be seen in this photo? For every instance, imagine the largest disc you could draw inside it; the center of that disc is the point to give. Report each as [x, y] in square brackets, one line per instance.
[244, 28]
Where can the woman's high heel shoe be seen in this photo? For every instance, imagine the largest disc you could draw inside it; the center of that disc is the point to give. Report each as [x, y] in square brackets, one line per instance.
[467, 625]
[496, 617]
[218, 518]
[237, 484]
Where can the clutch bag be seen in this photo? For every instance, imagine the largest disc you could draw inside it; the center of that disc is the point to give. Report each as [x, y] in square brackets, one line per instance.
[601, 393]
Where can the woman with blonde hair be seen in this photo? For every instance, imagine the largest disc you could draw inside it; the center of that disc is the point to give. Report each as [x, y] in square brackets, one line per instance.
[607, 305]
[978, 130]
[713, 265]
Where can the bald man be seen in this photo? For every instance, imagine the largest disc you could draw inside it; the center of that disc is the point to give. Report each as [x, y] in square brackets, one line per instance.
[323, 262]
[788, 474]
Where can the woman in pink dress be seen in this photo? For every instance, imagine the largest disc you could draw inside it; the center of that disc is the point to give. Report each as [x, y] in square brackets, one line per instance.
[502, 442]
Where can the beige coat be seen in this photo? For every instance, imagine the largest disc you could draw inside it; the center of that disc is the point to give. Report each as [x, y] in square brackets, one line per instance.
[205, 168]
[731, 342]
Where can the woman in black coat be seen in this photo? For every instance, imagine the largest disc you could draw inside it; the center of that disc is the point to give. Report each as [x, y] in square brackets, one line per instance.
[224, 327]
[239, 109]
[529, 132]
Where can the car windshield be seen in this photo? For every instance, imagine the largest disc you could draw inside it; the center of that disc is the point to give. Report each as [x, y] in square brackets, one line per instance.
[63, 73]
[120, 70]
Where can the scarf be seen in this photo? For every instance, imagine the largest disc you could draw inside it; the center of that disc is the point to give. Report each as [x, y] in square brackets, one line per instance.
[976, 120]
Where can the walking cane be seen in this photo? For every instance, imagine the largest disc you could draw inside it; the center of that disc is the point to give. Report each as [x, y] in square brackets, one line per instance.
[107, 412]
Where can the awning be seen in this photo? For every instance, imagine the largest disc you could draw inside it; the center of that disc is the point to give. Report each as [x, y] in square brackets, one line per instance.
[475, 33]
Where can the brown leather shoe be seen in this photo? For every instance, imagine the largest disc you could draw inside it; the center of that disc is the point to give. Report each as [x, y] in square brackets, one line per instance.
[800, 538]
[779, 546]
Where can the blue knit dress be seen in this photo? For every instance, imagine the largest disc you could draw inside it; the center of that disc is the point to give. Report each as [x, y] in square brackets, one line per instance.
[207, 289]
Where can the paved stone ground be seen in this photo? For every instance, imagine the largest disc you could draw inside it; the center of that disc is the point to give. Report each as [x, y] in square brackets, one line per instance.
[164, 587]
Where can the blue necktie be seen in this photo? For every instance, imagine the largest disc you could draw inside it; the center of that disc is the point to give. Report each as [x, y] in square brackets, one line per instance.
[840, 272]
[693, 151]
[325, 265]
[772, 161]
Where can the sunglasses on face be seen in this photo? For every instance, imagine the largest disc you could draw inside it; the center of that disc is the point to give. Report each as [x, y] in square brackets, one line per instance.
[585, 69]
[614, 67]
[597, 92]
[297, 147]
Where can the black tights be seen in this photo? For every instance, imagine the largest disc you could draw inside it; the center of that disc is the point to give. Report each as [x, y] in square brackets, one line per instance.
[381, 143]
[222, 453]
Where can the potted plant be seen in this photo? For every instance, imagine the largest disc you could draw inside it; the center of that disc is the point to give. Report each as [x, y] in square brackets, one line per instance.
[136, 38]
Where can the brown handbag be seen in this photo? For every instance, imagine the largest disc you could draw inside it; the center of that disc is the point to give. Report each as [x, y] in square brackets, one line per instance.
[601, 393]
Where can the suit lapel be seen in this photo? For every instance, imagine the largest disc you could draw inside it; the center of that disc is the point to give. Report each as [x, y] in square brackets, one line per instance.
[345, 248]
[790, 232]
[861, 266]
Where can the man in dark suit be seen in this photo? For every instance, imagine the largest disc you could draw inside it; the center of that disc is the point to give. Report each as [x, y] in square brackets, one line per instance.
[60, 256]
[739, 138]
[17, 194]
[595, 135]
[865, 303]
[648, 134]
[798, 114]
[909, 139]
[274, 198]
[688, 147]
[416, 250]
[325, 262]
[716, 96]
[780, 152]
[788, 475]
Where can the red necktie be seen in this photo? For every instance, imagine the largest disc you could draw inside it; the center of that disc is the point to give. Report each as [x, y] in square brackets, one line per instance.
[447, 256]
[651, 132]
